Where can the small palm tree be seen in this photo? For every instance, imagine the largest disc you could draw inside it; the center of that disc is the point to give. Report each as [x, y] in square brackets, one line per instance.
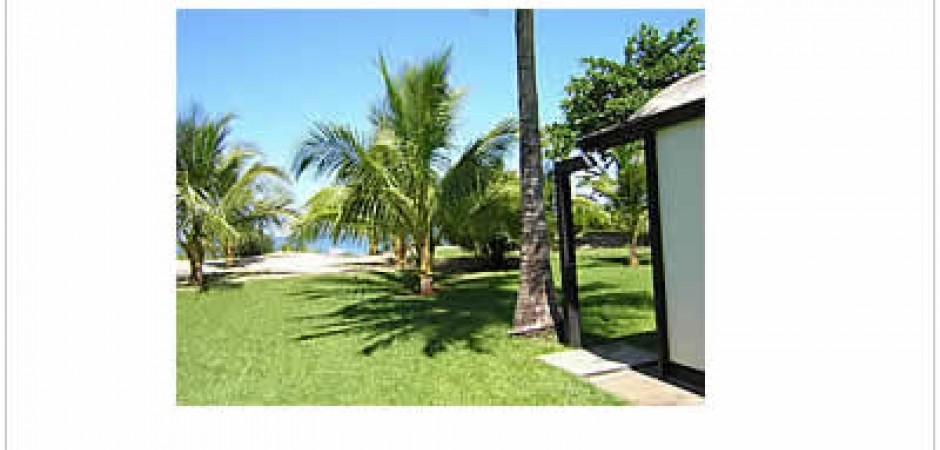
[323, 216]
[401, 179]
[251, 197]
[488, 222]
[221, 195]
[352, 207]
[625, 196]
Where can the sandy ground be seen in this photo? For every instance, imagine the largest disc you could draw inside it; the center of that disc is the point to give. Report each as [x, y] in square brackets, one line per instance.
[288, 264]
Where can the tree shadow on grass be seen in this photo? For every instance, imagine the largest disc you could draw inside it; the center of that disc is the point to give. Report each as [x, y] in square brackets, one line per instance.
[644, 340]
[236, 262]
[379, 309]
[213, 282]
[457, 315]
[610, 314]
[354, 285]
[607, 261]
[469, 264]
[610, 294]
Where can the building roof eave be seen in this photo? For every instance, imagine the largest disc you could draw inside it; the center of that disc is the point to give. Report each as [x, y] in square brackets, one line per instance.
[682, 100]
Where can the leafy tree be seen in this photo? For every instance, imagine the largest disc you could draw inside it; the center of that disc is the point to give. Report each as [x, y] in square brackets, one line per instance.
[557, 140]
[400, 179]
[608, 92]
[589, 215]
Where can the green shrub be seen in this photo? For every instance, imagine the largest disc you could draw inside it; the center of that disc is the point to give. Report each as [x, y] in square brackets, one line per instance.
[494, 251]
[254, 244]
[411, 280]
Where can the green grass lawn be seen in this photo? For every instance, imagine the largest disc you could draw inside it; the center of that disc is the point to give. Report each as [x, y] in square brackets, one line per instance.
[357, 339]
[616, 300]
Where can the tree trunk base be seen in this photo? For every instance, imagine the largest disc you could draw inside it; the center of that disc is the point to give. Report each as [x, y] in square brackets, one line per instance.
[229, 256]
[427, 285]
[634, 256]
[534, 330]
[198, 278]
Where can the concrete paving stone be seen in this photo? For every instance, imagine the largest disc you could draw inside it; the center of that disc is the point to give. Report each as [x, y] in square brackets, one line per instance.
[643, 390]
[609, 368]
[582, 362]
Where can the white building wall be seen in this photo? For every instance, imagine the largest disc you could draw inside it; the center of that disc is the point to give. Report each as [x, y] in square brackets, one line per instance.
[680, 153]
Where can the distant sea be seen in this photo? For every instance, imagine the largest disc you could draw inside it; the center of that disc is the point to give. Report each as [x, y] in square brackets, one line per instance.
[325, 244]
[322, 245]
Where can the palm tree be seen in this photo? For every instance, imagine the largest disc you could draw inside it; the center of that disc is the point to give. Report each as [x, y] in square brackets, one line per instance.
[400, 178]
[536, 291]
[624, 196]
[323, 216]
[488, 222]
[360, 165]
[251, 197]
[629, 201]
[221, 194]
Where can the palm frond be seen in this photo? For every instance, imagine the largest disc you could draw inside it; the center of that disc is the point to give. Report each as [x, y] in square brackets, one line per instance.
[479, 163]
[329, 149]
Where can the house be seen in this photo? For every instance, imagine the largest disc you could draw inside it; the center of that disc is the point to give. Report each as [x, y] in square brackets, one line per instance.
[672, 128]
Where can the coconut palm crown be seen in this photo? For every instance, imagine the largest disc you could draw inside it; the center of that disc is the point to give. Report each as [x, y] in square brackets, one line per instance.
[222, 192]
[405, 175]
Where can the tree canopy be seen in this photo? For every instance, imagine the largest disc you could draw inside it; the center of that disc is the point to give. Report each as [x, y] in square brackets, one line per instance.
[609, 91]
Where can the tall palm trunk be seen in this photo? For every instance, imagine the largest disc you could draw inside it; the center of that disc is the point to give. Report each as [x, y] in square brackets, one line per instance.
[536, 291]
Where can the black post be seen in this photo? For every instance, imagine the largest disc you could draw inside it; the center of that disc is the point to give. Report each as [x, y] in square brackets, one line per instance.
[569, 274]
[656, 245]
[557, 315]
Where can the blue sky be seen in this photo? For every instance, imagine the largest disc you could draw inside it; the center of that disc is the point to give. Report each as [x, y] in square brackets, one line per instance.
[280, 69]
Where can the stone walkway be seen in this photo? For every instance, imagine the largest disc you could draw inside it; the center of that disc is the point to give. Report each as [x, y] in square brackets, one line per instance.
[611, 368]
